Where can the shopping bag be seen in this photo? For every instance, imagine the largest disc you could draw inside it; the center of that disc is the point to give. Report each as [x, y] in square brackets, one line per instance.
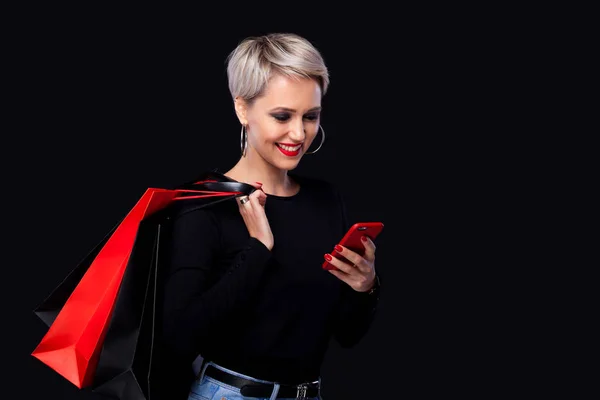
[49, 309]
[124, 365]
[198, 188]
[134, 362]
[79, 310]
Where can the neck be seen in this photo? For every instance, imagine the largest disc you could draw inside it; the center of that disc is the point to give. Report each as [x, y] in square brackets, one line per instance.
[252, 168]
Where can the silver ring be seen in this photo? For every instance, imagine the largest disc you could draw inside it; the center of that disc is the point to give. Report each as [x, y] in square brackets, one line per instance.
[244, 200]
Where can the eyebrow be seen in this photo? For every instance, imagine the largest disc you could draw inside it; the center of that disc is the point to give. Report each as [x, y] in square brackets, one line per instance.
[293, 111]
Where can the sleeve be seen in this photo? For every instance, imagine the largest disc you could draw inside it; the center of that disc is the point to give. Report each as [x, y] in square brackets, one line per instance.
[357, 310]
[191, 307]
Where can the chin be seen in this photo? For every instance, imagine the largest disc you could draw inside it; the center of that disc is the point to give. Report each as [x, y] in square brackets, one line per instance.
[288, 166]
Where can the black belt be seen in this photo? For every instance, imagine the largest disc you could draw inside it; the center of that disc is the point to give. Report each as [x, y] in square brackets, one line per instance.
[251, 388]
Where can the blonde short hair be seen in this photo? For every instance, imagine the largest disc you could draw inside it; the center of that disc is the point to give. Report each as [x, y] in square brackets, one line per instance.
[254, 61]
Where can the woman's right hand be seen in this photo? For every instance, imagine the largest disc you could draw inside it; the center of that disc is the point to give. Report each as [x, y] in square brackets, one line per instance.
[253, 213]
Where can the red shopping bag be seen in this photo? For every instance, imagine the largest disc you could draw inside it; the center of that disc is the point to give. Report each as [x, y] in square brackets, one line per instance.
[73, 342]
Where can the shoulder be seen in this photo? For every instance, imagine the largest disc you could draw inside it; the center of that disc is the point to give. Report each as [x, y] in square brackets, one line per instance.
[185, 212]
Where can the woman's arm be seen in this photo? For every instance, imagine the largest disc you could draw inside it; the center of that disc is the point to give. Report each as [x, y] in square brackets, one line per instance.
[357, 309]
[356, 314]
[191, 308]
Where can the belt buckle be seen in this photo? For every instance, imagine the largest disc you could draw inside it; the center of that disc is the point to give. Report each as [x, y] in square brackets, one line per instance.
[301, 391]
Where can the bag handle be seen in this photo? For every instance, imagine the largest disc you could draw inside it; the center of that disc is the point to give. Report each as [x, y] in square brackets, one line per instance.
[217, 188]
[218, 184]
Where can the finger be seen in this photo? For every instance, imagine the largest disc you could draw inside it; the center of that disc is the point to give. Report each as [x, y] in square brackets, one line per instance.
[254, 193]
[242, 201]
[342, 276]
[339, 264]
[262, 197]
[353, 257]
[369, 248]
[258, 197]
[257, 185]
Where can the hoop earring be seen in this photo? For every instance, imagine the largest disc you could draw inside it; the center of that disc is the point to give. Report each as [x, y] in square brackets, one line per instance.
[322, 141]
[243, 141]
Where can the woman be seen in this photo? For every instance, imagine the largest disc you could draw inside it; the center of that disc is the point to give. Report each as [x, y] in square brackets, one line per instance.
[246, 289]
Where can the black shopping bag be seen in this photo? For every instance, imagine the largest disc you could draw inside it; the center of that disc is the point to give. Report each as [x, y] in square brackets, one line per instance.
[134, 363]
[131, 360]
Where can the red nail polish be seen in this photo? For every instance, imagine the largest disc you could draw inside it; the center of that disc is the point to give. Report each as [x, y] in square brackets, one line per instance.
[328, 257]
[338, 248]
[364, 238]
[259, 183]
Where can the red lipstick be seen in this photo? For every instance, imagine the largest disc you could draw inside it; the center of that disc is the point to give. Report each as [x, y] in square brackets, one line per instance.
[287, 152]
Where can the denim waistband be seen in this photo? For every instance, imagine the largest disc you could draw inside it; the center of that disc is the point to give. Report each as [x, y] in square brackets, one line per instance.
[276, 385]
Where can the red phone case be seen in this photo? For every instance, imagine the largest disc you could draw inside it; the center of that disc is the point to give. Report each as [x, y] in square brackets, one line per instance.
[352, 240]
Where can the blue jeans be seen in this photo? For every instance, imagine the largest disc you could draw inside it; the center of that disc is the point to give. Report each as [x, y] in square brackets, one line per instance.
[207, 388]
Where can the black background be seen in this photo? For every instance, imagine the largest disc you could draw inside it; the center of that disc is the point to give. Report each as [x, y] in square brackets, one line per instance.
[117, 105]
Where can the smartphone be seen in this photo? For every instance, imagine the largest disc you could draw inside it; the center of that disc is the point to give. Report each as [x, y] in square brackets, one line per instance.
[352, 241]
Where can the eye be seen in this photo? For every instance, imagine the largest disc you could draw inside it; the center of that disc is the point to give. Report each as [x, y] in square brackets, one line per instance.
[281, 117]
[284, 117]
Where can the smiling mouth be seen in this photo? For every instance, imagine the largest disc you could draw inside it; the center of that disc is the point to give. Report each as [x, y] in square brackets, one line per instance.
[289, 150]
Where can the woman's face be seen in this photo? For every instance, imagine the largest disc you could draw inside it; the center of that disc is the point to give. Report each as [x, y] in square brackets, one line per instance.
[283, 122]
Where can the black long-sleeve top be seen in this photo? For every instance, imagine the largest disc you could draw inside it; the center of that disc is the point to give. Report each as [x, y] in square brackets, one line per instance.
[266, 314]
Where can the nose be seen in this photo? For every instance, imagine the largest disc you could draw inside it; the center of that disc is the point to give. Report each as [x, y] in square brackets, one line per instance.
[297, 132]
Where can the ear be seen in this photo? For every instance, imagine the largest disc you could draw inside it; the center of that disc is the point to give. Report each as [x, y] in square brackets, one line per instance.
[241, 108]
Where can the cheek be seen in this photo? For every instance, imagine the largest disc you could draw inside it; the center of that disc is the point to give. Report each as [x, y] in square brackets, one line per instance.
[263, 131]
[312, 129]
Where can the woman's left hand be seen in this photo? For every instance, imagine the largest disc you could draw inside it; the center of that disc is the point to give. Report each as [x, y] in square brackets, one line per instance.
[360, 272]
